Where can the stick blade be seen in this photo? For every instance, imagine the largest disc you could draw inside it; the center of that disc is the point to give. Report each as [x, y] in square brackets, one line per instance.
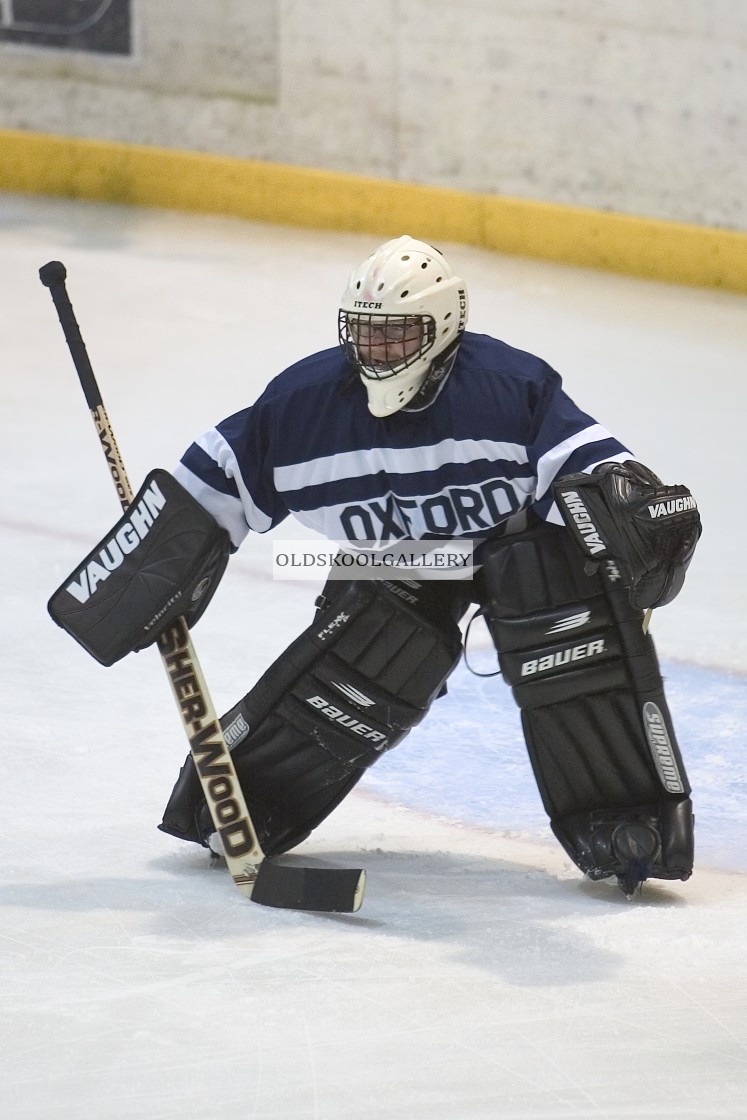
[322, 889]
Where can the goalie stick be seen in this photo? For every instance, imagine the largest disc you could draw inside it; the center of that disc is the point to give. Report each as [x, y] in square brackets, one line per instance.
[257, 878]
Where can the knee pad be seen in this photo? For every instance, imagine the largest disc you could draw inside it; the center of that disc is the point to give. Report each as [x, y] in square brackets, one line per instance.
[345, 691]
[596, 722]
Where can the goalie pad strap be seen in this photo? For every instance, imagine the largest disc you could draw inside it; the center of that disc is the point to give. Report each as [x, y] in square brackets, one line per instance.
[348, 689]
[163, 559]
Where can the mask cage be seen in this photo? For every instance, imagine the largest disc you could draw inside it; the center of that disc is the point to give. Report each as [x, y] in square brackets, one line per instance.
[390, 334]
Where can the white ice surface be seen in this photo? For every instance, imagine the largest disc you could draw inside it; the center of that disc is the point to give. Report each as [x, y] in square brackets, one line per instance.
[484, 977]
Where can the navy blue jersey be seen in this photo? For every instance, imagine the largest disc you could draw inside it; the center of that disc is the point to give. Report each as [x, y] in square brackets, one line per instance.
[497, 435]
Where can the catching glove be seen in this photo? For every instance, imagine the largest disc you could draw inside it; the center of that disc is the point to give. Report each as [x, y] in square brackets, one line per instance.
[622, 511]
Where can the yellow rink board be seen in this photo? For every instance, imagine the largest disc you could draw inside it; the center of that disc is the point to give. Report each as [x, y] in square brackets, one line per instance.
[136, 175]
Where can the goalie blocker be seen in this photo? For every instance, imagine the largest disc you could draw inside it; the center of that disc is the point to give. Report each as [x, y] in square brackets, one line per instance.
[162, 560]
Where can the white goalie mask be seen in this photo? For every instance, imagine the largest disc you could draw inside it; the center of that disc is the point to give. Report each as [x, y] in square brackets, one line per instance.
[400, 323]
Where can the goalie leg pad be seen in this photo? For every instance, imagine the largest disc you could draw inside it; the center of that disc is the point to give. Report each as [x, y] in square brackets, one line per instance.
[348, 689]
[595, 718]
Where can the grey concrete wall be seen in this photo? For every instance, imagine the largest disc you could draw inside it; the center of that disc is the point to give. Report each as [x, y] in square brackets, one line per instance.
[637, 106]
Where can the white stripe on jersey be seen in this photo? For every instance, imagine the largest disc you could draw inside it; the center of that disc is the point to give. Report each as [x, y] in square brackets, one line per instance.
[238, 515]
[227, 511]
[549, 466]
[394, 460]
[554, 515]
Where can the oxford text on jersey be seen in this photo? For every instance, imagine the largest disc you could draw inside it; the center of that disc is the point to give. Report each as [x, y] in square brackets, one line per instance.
[456, 509]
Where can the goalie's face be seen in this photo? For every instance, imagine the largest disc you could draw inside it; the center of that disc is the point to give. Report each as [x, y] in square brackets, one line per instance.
[385, 344]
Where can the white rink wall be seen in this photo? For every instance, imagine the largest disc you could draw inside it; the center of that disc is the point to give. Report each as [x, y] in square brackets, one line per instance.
[622, 105]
